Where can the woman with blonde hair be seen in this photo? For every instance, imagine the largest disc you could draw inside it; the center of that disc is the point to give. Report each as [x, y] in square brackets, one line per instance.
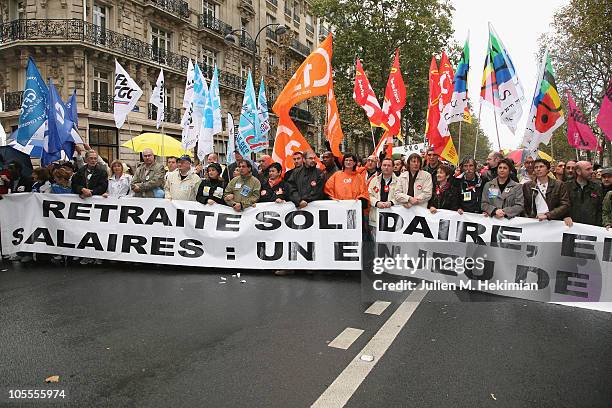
[119, 182]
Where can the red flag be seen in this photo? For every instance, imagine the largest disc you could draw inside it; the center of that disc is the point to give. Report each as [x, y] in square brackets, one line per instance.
[364, 95]
[604, 118]
[436, 128]
[384, 144]
[579, 133]
[395, 98]
[447, 76]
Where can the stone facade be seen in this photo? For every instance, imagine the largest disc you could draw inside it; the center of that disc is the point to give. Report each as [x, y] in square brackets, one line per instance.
[77, 50]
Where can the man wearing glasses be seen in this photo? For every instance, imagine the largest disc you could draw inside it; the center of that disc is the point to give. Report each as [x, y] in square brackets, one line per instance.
[149, 177]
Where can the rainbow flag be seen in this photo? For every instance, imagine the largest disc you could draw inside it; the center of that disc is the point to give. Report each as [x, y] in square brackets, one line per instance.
[457, 110]
[546, 114]
[501, 87]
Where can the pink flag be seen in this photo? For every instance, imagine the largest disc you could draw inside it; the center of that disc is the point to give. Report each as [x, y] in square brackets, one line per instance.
[579, 134]
[604, 119]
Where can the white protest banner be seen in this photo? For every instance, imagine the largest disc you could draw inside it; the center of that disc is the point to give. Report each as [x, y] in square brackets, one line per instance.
[520, 257]
[408, 149]
[324, 235]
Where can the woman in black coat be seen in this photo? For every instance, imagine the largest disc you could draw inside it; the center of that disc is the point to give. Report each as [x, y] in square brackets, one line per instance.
[445, 195]
[211, 189]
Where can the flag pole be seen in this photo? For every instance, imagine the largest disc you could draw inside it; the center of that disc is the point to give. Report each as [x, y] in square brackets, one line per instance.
[552, 150]
[496, 130]
[459, 152]
[373, 140]
[477, 129]
[130, 130]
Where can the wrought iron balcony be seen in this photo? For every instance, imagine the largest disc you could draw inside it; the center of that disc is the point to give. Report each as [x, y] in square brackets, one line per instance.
[214, 24]
[248, 43]
[102, 102]
[79, 31]
[300, 48]
[177, 8]
[12, 101]
[171, 115]
[301, 115]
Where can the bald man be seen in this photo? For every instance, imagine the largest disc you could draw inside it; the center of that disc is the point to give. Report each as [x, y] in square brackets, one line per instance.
[586, 197]
[149, 177]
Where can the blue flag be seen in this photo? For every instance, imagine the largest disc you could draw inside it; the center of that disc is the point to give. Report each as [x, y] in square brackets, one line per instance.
[59, 128]
[248, 128]
[69, 145]
[33, 116]
[264, 117]
[215, 101]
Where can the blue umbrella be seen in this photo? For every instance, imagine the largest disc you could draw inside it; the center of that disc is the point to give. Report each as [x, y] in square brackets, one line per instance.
[8, 155]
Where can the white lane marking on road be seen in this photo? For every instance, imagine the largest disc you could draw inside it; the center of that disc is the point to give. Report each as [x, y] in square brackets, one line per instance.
[346, 338]
[345, 385]
[378, 307]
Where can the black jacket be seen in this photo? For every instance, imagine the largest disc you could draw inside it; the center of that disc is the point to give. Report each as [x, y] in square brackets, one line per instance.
[280, 190]
[95, 179]
[211, 190]
[469, 193]
[21, 185]
[445, 200]
[306, 184]
[585, 204]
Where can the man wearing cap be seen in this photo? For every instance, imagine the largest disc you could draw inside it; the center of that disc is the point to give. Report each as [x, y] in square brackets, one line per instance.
[606, 180]
[182, 184]
[243, 191]
[148, 181]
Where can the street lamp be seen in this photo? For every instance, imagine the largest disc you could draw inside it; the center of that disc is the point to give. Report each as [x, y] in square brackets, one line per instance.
[230, 38]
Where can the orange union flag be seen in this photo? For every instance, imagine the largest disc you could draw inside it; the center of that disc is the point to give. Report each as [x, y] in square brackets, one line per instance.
[313, 78]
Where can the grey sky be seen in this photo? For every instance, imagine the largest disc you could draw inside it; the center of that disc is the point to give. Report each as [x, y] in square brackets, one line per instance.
[519, 23]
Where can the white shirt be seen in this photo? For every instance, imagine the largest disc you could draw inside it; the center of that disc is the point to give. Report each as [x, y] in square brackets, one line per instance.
[540, 200]
[120, 187]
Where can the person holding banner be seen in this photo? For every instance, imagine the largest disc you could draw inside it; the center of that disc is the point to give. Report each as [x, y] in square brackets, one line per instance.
[275, 189]
[382, 189]
[306, 182]
[545, 198]
[470, 188]
[502, 197]
[243, 191]
[347, 184]
[119, 183]
[92, 179]
[182, 184]
[148, 181]
[212, 187]
[445, 196]
[586, 197]
[416, 184]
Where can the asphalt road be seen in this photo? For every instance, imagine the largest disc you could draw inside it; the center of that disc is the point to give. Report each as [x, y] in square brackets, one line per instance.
[138, 336]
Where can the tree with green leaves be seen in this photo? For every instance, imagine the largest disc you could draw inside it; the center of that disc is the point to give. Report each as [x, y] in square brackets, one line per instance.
[580, 47]
[372, 30]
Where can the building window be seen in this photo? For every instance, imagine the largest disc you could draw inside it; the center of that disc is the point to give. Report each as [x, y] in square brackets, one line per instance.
[244, 71]
[100, 82]
[160, 44]
[310, 44]
[208, 58]
[99, 16]
[271, 61]
[210, 9]
[105, 141]
[17, 10]
[270, 19]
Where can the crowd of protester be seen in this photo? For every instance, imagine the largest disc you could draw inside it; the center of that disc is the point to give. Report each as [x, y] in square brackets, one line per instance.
[566, 190]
